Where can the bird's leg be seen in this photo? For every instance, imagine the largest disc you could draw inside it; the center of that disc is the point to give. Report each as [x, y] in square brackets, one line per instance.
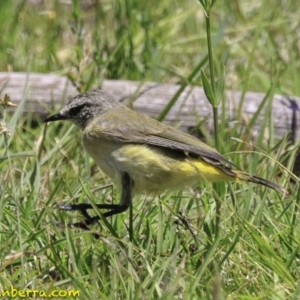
[124, 204]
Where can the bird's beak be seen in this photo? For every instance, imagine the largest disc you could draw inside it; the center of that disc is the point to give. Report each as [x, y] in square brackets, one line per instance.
[59, 116]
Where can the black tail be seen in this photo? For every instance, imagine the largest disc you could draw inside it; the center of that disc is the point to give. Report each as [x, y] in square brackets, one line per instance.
[255, 179]
[269, 184]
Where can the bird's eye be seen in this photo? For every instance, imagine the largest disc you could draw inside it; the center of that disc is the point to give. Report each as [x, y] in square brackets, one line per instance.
[75, 110]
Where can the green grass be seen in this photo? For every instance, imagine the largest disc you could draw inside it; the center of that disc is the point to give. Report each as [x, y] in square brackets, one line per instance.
[253, 253]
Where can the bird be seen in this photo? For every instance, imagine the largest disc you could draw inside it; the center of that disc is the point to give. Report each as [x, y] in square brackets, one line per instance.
[140, 153]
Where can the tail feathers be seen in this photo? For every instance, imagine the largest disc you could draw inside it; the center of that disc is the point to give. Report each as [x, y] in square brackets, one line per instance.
[268, 183]
[255, 179]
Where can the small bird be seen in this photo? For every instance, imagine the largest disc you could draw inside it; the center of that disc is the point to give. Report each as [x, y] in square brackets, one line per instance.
[142, 154]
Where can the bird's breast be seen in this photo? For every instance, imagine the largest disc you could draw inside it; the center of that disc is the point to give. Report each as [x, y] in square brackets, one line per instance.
[151, 168]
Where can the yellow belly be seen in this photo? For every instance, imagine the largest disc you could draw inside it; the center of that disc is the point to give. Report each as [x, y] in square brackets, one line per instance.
[156, 170]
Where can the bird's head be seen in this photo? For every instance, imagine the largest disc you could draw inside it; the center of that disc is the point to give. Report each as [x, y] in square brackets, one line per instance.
[85, 107]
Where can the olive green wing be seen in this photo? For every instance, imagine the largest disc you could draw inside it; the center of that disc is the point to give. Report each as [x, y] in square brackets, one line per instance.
[126, 126]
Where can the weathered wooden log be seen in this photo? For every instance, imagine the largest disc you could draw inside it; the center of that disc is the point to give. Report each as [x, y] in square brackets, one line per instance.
[40, 93]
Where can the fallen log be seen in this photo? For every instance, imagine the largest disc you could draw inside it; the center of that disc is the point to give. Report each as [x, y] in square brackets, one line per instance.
[38, 94]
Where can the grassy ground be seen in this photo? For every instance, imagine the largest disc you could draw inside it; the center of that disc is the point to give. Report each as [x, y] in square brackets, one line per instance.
[250, 252]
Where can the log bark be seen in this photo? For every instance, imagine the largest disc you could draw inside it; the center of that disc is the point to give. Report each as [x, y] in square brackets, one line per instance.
[41, 94]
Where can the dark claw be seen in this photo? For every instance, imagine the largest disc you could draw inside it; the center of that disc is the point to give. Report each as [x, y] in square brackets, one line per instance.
[112, 208]
[83, 209]
[83, 225]
[80, 225]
